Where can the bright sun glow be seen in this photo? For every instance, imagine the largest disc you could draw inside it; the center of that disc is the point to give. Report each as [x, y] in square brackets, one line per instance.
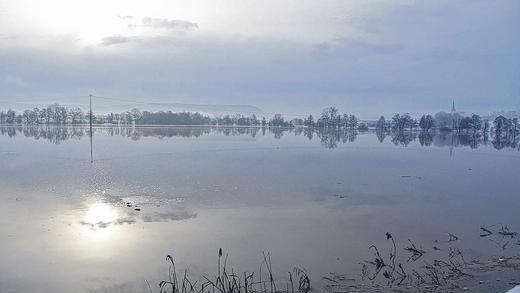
[100, 214]
[98, 221]
[90, 21]
[86, 24]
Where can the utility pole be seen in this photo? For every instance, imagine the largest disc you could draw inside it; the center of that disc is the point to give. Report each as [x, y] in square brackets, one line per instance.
[90, 114]
[91, 154]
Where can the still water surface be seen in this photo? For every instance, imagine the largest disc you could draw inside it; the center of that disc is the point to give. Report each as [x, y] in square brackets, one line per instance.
[313, 200]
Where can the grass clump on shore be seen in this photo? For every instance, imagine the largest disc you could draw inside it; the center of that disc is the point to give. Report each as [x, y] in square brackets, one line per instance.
[228, 281]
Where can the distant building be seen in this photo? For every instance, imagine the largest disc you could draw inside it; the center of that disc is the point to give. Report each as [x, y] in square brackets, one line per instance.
[450, 120]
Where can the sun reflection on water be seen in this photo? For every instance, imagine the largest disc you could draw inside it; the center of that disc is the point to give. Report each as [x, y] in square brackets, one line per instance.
[99, 221]
[100, 213]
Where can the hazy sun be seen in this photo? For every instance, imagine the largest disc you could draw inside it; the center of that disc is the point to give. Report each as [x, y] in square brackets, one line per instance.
[91, 21]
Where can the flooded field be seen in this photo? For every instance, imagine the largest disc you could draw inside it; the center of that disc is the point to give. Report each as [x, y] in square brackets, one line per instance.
[73, 220]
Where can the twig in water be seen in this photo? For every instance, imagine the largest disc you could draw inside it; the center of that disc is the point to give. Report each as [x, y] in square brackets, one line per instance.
[416, 253]
[504, 231]
[452, 237]
[487, 232]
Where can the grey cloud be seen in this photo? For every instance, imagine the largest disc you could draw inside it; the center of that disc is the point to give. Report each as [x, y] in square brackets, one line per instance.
[122, 221]
[169, 216]
[126, 17]
[102, 225]
[116, 40]
[147, 22]
[168, 23]
[343, 46]
[148, 218]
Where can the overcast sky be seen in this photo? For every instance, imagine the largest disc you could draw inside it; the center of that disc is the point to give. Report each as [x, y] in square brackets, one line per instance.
[366, 57]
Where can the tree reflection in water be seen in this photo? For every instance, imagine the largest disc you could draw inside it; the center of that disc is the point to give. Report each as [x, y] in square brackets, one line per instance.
[329, 137]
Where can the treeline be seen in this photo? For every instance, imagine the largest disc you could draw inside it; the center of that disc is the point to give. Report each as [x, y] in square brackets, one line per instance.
[52, 114]
[501, 126]
[330, 118]
[441, 121]
[329, 138]
[60, 115]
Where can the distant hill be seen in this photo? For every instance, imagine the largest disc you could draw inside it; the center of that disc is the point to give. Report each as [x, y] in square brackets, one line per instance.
[218, 110]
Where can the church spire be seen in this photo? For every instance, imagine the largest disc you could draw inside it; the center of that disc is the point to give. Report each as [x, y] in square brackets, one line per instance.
[453, 107]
